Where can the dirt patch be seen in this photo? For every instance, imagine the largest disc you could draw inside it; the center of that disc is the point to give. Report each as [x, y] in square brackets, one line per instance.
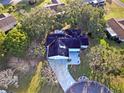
[22, 65]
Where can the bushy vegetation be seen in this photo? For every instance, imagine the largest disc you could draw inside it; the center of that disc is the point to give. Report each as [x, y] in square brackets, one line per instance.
[42, 21]
[106, 63]
[107, 60]
[87, 18]
[16, 42]
[1, 8]
[38, 23]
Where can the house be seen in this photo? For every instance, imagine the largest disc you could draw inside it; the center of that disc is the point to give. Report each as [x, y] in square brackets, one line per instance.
[95, 2]
[115, 29]
[54, 6]
[7, 22]
[57, 49]
[66, 44]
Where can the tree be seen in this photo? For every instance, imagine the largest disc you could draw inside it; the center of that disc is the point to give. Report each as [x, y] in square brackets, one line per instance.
[69, 14]
[89, 19]
[37, 80]
[16, 42]
[106, 65]
[75, 13]
[96, 23]
[38, 23]
[105, 62]
[1, 8]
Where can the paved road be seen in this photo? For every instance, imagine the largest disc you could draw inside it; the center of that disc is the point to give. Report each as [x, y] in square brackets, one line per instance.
[119, 3]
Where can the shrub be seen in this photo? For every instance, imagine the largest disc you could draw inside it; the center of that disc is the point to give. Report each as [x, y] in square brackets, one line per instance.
[16, 42]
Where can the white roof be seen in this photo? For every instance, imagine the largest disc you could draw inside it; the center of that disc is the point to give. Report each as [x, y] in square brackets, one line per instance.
[74, 49]
[111, 32]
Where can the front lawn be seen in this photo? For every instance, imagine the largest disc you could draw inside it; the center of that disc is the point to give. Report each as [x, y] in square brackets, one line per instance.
[114, 11]
[122, 1]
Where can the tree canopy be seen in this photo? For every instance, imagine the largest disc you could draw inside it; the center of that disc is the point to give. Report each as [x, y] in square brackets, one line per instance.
[38, 23]
[88, 18]
[1, 8]
[16, 42]
[107, 60]
[41, 20]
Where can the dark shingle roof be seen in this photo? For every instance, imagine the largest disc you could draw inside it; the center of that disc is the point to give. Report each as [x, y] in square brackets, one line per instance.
[57, 47]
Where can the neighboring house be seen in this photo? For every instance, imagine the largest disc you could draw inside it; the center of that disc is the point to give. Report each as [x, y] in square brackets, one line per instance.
[54, 6]
[95, 2]
[7, 22]
[115, 29]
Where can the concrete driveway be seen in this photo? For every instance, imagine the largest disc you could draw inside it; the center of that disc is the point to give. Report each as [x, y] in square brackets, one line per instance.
[60, 68]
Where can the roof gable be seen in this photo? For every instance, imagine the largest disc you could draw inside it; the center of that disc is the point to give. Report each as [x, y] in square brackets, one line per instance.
[116, 27]
[7, 21]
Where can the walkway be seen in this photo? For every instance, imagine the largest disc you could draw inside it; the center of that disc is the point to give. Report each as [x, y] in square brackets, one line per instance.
[60, 67]
[119, 3]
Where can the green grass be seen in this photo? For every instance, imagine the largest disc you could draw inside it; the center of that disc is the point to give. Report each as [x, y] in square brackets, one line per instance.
[114, 11]
[122, 1]
[24, 82]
